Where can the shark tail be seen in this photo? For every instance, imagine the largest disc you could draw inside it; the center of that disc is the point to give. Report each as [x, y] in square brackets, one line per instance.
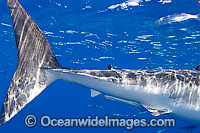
[34, 56]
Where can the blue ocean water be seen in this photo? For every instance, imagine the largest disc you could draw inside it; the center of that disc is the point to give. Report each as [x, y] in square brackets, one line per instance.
[135, 34]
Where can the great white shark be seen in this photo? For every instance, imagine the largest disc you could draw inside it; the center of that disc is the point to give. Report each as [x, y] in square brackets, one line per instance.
[160, 91]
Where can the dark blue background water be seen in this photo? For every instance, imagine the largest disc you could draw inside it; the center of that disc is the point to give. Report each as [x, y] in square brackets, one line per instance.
[89, 34]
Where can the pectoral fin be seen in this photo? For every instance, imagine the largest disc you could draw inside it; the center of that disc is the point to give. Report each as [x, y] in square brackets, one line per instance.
[156, 112]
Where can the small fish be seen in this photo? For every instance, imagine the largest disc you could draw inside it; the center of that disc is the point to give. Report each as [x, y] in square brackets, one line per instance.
[121, 115]
[95, 106]
[162, 130]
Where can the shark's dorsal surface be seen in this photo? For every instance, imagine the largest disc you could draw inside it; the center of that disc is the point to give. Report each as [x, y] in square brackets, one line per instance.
[159, 91]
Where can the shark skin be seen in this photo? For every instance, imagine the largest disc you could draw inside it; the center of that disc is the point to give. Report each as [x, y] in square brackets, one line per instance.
[160, 91]
[175, 91]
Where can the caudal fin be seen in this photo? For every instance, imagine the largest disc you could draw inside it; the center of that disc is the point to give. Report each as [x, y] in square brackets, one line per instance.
[34, 54]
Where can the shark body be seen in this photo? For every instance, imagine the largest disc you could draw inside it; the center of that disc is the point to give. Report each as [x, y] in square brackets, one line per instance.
[160, 91]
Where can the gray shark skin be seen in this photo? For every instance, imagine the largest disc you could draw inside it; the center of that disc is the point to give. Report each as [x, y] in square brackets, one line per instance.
[176, 92]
